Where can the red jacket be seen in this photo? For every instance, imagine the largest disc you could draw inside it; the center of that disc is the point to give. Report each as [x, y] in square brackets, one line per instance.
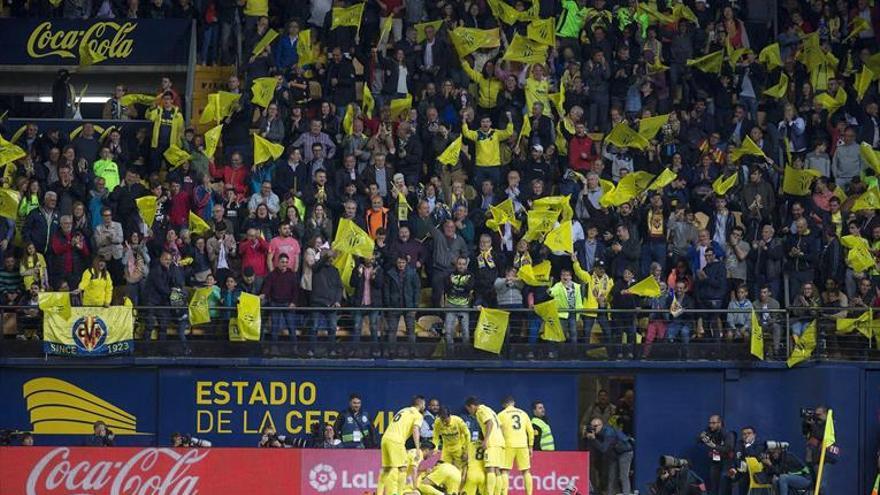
[579, 145]
[178, 212]
[71, 260]
[253, 254]
[237, 177]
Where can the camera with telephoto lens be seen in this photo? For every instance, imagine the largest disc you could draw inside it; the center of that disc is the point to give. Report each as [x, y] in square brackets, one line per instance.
[8, 436]
[191, 441]
[808, 414]
[777, 445]
[668, 461]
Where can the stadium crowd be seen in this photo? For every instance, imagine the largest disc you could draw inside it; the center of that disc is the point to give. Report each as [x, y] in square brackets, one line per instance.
[755, 190]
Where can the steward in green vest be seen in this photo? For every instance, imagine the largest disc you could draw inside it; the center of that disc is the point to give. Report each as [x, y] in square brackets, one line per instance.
[354, 428]
[541, 424]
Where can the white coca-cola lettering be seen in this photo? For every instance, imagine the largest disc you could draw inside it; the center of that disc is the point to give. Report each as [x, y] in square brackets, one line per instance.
[146, 473]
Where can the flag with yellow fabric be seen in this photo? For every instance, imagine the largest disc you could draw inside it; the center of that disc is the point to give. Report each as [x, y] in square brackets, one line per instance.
[535, 275]
[55, 302]
[804, 347]
[88, 56]
[710, 64]
[212, 139]
[721, 185]
[831, 103]
[524, 50]
[757, 338]
[551, 329]
[868, 200]
[656, 66]
[863, 81]
[558, 100]
[10, 152]
[525, 130]
[630, 186]
[130, 99]
[501, 214]
[369, 102]
[664, 179]
[423, 26]
[265, 150]
[400, 107]
[860, 259]
[199, 309]
[857, 25]
[344, 263]
[347, 16]
[491, 329]
[560, 239]
[733, 55]
[468, 40]
[505, 12]
[542, 31]
[649, 126]
[830, 437]
[265, 41]
[647, 287]
[385, 30]
[451, 153]
[263, 89]
[870, 156]
[539, 222]
[219, 107]
[771, 56]
[247, 323]
[305, 50]
[348, 119]
[197, 226]
[863, 324]
[748, 147]
[352, 239]
[147, 207]
[798, 182]
[9, 200]
[682, 11]
[175, 156]
[779, 89]
[623, 136]
[655, 16]
[561, 204]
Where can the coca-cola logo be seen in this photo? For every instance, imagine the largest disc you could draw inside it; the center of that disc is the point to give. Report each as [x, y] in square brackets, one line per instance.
[147, 472]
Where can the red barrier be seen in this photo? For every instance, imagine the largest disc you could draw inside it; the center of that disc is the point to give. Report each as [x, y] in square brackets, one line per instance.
[151, 471]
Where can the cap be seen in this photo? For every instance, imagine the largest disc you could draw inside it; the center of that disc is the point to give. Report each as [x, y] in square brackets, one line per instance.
[600, 263]
[538, 148]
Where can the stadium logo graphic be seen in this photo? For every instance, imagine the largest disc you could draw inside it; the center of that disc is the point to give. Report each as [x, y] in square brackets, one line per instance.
[89, 333]
[322, 478]
[57, 407]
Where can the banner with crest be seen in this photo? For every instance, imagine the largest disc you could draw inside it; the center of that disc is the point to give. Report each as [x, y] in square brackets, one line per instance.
[89, 331]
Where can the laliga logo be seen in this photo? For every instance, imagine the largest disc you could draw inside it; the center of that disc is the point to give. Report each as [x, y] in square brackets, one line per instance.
[108, 39]
[322, 478]
[89, 333]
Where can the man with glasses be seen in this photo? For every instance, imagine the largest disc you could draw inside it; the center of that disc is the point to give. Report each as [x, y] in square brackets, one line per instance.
[718, 445]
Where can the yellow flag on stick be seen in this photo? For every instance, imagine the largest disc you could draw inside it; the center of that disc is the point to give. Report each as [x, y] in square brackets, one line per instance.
[748, 147]
[491, 329]
[247, 322]
[757, 340]
[856, 26]
[385, 30]
[198, 226]
[451, 153]
[344, 263]
[539, 222]
[263, 89]
[860, 259]
[863, 324]
[682, 11]
[348, 119]
[829, 438]
[352, 239]
[647, 287]
[535, 275]
[558, 100]
[468, 40]
[505, 12]
[175, 156]
[561, 204]
[551, 329]
[9, 200]
[199, 309]
[137, 99]
[501, 214]
[219, 107]
[778, 91]
[869, 200]
[863, 81]
[623, 136]
[369, 103]
[832, 104]
[526, 129]
[656, 66]
[811, 55]
[664, 179]
[422, 26]
[55, 302]
[524, 50]
[265, 150]
[212, 139]
[265, 41]
[804, 347]
[654, 15]
[797, 182]
[649, 126]
[88, 56]
[305, 50]
[870, 156]
[630, 186]
[710, 64]
[734, 55]
[10, 152]
[400, 107]
[722, 185]
[347, 16]
[147, 207]
[542, 31]
[560, 238]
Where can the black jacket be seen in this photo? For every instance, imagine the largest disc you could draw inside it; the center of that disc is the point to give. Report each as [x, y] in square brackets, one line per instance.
[326, 284]
[376, 286]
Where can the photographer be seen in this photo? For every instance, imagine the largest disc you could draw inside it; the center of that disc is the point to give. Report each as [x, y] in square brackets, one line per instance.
[674, 477]
[786, 470]
[103, 436]
[719, 446]
[813, 427]
[353, 426]
[8, 437]
[271, 439]
[180, 441]
[614, 452]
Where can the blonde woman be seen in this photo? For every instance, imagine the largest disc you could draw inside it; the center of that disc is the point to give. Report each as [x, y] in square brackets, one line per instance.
[33, 268]
[96, 285]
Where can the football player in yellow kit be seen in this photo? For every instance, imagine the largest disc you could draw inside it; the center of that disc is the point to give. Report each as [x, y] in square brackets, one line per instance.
[443, 479]
[474, 473]
[518, 438]
[395, 460]
[452, 431]
[493, 442]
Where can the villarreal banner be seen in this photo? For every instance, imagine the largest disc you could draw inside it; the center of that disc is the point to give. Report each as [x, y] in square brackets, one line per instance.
[115, 42]
[89, 331]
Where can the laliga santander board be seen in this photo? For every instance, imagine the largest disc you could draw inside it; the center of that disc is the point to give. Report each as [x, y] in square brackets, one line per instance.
[230, 471]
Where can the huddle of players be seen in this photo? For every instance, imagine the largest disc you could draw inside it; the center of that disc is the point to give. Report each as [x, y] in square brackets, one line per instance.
[476, 453]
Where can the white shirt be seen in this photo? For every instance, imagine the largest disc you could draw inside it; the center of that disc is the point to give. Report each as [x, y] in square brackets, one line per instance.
[429, 54]
[401, 79]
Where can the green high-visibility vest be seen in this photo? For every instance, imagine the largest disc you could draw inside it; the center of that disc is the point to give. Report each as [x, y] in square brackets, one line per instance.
[546, 439]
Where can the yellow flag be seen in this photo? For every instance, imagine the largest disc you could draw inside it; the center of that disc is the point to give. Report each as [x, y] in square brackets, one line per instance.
[870, 156]
[175, 156]
[524, 50]
[748, 147]
[344, 263]
[804, 347]
[147, 207]
[212, 138]
[560, 238]
[197, 226]
[630, 186]
[305, 50]
[853, 242]
[682, 11]
[219, 106]
[863, 324]
[757, 340]
[265, 41]
[734, 55]
[664, 179]
[348, 119]
[623, 136]
[797, 182]
[451, 153]
[468, 40]
[811, 55]
[860, 259]
[88, 56]
[535, 275]
[505, 12]
[649, 126]
[265, 150]
[710, 64]
[539, 221]
[722, 185]
[562, 204]
[542, 31]
[385, 30]
[55, 302]
[263, 89]
[369, 103]
[10, 152]
[656, 66]
[400, 107]
[491, 329]
[247, 321]
[137, 99]
[9, 200]
[832, 104]
[647, 287]
[558, 100]
[868, 200]
[199, 310]
[347, 16]
[552, 328]
[654, 15]
[829, 438]
[526, 130]
[501, 214]
[779, 89]
[856, 26]
[422, 26]
[352, 239]
[863, 81]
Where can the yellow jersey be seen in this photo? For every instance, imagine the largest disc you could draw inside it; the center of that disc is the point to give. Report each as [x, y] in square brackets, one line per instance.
[486, 415]
[402, 425]
[454, 435]
[516, 427]
[488, 144]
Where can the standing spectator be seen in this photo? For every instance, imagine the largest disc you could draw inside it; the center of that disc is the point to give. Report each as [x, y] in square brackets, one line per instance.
[281, 290]
[96, 285]
[711, 289]
[167, 128]
[327, 292]
[367, 281]
[458, 295]
[448, 248]
[614, 454]
[108, 241]
[432, 411]
[770, 322]
[847, 161]
[402, 289]
[42, 223]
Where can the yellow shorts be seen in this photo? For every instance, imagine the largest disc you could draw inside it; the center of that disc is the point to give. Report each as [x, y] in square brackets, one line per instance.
[518, 454]
[453, 456]
[494, 457]
[393, 455]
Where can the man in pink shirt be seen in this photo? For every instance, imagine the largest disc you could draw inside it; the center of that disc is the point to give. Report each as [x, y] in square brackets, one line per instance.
[284, 243]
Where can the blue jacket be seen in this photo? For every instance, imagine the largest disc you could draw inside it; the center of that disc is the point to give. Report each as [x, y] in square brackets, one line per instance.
[37, 230]
[355, 430]
[612, 440]
[285, 52]
[715, 284]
